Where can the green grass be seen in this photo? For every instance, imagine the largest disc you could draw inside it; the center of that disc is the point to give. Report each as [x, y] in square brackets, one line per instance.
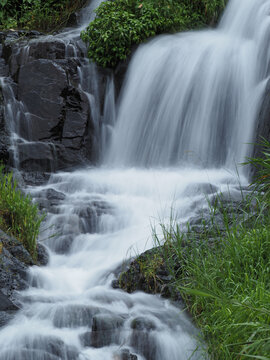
[19, 217]
[224, 275]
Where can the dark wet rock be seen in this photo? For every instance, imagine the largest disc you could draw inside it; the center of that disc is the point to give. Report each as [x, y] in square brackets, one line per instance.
[74, 316]
[142, 339]
[42, 348]
[5, 317]
[36, 156]
[54, 346]
[57, 118]
[201, 189]
[54, 49]
[6, 304]
[35, 178]
[90, 215]
[15, 248]
[62, 243]
[24, 354]
[41, 83]
[105, 330]
[4, 136]
[54, 197]
[85, 339]
[149, 273]
[14, 263]
[141, 323]
[262, 127]
[42, 255]
[263, 122]
[124, 354]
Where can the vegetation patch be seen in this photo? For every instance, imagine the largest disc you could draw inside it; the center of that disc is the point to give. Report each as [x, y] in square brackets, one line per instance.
[120, 24]
[19, 217]
[48, 15]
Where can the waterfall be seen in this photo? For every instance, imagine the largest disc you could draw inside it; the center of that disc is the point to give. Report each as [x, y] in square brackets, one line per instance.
[193, 97]
[189, 99]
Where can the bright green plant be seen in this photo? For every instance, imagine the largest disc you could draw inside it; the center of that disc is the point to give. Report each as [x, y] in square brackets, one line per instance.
[121, 24]
[19, 217]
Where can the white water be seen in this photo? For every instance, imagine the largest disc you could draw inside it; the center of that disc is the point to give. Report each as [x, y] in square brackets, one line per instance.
[194, 92]
[194, 96]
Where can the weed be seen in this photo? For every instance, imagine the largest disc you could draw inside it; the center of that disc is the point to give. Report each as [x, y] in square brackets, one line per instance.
[19, 217]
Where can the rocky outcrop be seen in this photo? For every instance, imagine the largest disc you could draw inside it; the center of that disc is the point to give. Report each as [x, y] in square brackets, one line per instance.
[14, 262]
[149, 272]
[262, 128]
[54, 119]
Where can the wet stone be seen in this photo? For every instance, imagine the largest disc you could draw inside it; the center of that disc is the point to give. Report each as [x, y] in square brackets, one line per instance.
[141, 323]
[74, 316]
[62, 244]
[5, 318]
[42, 255]
[200, 188]
[106, 330]
[6, 304]
[24, 354]
[42, 348]
[53, 346]
[124, 354]
[142, 338]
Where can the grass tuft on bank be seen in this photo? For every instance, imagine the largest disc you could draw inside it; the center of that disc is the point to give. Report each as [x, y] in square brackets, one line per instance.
[121, 24]
[224, 276]
[19, 217]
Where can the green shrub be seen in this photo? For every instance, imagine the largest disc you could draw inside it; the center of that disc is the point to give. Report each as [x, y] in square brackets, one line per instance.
[37, 14]
[19, 217]
[120, 24]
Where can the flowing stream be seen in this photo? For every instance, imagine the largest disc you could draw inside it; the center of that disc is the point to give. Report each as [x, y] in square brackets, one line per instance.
[186, 112]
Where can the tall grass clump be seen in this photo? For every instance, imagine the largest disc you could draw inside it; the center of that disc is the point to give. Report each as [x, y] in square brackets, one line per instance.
[19, 217]
[224, 275]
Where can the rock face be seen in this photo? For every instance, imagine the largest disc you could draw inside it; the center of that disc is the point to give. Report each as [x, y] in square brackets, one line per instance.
[56, 99]
[263, 123]
[14, 261]
[149, 273]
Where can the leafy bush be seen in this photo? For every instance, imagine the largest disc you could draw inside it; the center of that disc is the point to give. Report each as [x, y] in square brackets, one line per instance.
[19, 217]
[37, 14]
[120, 24]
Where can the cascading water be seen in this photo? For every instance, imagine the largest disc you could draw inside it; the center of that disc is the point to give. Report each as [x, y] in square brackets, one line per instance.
[194, 96]
[189, 98]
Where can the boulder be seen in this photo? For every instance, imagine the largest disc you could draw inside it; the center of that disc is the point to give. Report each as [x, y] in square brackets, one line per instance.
[262, 128]
[105, 330]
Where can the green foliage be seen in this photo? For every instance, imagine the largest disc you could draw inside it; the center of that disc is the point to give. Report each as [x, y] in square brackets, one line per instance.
[120, 24]
[37, 14]
[19, 217]
[225, 272]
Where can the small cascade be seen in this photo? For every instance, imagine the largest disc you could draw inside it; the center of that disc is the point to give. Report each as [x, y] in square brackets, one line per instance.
[194, 97]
